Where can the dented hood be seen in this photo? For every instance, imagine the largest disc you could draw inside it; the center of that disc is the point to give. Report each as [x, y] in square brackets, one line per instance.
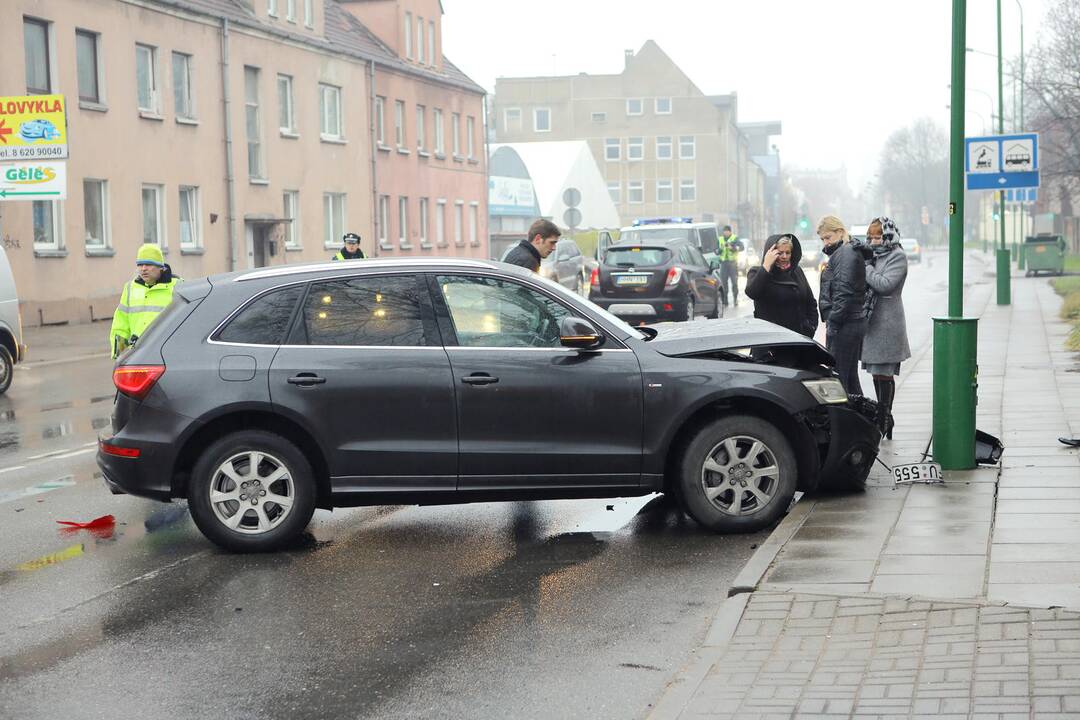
[702, 337]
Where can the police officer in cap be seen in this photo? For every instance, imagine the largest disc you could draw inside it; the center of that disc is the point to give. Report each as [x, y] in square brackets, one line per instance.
[142, 298]
[351, 250]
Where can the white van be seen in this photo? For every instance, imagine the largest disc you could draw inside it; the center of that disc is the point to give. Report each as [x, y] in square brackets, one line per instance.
[12, 349]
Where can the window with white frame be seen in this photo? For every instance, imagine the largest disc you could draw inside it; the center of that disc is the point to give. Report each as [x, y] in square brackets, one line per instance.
[599, 117]
[662, 106]
[330, 112]
[612, 149]
[190, 232]
[403, 221]
[663, 147]
[183, 98]
[48, 233]
[380, 120]
[635, 148]
[252, 124]
[384, 221]
[408, 36]
[664, 192]
[688, 190]
[440, 223]
[455, 133]
[286, 105]
[474, 224]
[470, 131]
[89, 66]
[512, 120]
[420, 40]
[635, 192]
[635, 106]
[96, 213]
[290, 210]
[424, 236]
[614, 189]
[146, 78]
[431, 42]
[687, 147]
[542, 119]
[38, 58]
[333, 218]
[290, 10]
[153, 214]
[440, 130]
[399, 123]
[271, 7]
[309, 13]
[459, 222]
[421, 134]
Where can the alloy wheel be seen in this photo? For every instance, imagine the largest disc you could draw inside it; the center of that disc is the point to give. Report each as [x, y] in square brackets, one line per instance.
[252, 492]
[740, 475]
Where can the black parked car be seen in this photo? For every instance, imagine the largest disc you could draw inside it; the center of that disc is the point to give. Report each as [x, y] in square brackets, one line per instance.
[259, 396]
[660, 280]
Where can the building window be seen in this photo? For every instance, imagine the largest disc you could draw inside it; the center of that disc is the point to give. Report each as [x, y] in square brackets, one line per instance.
[687, 148]
[86, 60]
[251, 122]
[431, 42]
[309, 13]
[664, 193]
[474, 224]
[420, 40]
[286, 108]
[440, 140]
[455, 134]
[384, 221]
[153, 214]
[290, 210]
[333, 218]
[96, 213]
[146, 77]
[635, 192]
[614, 189]
[635, 148]
[380, 120]
[459, 222]
[399, 123]
[47, 226]
[408, 36]
[470, 130]
[634, 106]
[190, 232]
[181, 76]
[403, 221]
[599, 117]
[663, 147]
[542, 120]
[687, 190]
[662, 106]
[330, 112]
[440, 223]
[612, 149]
[421, 135]
[38, 62]
[290, 10]
[512, 120]
[424, 223]
[271, 8]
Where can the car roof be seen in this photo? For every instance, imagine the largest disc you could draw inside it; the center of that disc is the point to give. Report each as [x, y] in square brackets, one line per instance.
[374, 264]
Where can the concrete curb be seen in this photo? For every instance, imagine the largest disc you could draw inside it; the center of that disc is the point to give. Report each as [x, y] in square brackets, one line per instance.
[748, 578]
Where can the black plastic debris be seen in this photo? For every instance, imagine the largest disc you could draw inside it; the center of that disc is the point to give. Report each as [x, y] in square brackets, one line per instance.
[988, 449]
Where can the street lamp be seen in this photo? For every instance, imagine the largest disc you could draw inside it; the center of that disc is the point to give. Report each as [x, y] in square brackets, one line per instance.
[1004, 289]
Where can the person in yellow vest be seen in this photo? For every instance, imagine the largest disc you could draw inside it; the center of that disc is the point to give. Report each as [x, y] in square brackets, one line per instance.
[142, 298]
[351, 249]
[730, 246]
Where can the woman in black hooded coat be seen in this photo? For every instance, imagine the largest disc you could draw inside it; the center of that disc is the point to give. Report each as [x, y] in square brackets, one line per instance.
[779, 288]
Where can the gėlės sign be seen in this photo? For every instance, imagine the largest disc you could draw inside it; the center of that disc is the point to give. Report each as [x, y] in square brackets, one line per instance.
[33, 181]
[33, 127]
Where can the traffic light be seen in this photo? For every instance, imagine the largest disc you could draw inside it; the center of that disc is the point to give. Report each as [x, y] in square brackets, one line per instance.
[997, 216]
[804, 223]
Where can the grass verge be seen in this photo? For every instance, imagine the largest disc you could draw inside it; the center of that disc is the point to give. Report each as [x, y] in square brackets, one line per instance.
[1069, 288]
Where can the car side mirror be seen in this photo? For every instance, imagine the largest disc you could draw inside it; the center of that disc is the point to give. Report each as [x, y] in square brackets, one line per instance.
[580, 334]
[714, 262]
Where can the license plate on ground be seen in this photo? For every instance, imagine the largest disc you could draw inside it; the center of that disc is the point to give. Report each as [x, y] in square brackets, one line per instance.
[631, 279]
[927, 472]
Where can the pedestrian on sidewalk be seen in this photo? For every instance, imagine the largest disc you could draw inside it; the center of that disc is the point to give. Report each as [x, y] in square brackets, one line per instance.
[541, 241]
[142, 298]
[841, 298]
[779, 289]
[886, 342]
[350, 250]
[729, 248]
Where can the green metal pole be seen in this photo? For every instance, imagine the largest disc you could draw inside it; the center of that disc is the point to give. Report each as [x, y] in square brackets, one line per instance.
[1003, 267]
[1023, 225]
[955, 371]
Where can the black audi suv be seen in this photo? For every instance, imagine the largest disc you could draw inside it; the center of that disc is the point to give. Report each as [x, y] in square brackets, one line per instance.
[261, 395]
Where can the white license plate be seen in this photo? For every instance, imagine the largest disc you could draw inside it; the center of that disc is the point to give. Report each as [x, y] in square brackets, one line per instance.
[927, 472]
[631, 279]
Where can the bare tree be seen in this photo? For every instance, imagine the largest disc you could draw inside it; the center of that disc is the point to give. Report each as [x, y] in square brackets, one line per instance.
[1053, 94]
[914, 174]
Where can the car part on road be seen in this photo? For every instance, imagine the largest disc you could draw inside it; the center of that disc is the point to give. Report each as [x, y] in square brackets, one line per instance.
[1071, 442]
[988, 449]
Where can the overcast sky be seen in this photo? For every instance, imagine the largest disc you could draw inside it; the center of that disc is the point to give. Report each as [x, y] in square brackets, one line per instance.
[840, 74]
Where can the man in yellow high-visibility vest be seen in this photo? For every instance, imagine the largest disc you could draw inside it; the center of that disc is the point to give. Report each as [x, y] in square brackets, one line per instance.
[142, 298]
[730, 246]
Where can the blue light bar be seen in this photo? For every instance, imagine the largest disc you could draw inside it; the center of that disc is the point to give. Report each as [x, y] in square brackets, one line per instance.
[661, 221]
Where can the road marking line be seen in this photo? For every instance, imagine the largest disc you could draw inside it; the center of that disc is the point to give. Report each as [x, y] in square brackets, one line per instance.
[66, 481]
[12, 469]
[57, 453]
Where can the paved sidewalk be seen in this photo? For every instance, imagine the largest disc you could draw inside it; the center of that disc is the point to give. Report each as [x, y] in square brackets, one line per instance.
[64, 343]
[956, 600]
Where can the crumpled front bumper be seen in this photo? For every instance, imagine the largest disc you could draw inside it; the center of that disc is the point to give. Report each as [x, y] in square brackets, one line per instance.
[847, 442]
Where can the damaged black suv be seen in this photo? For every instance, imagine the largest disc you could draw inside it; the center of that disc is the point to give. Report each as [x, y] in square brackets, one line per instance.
[261, 395]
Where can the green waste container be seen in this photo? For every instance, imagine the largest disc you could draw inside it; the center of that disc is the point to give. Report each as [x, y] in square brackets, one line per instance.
[1044, 253]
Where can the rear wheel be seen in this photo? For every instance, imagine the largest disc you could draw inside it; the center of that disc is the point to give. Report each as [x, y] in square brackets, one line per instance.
[690, 309]
[737, 475]
[7, 369]
[252, 491]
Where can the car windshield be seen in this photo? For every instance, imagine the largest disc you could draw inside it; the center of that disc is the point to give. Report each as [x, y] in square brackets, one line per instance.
[569, 296]
[636, 257]
[655, 234]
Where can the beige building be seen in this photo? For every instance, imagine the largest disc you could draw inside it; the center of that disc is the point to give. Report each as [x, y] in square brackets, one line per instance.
[236, 134]
[665, 147]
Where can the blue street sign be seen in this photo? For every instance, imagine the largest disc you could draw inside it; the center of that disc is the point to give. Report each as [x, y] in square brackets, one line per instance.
[1022, 195]
[1000, 162]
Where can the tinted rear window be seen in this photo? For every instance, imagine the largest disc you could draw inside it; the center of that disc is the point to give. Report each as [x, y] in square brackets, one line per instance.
[637, 257]
[376, 311]
[265, 320]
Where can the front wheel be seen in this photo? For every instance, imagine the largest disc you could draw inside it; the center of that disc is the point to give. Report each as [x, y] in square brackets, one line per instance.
[737, 475]
[7, 369]
[252, 491]
[690, 309]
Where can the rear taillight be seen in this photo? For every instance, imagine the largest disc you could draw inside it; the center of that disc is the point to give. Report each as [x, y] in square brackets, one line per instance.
[136, 380]
[674, 275]
[594, 279]
[118, 451]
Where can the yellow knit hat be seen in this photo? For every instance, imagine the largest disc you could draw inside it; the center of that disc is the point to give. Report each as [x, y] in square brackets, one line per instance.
[150, 254]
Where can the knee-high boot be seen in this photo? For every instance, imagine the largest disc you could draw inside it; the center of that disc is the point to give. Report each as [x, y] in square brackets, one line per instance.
[885, 403]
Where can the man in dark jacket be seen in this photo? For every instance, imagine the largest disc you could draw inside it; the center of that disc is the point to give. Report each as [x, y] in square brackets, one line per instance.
[541, 241]
[843, 292]
[779, 288]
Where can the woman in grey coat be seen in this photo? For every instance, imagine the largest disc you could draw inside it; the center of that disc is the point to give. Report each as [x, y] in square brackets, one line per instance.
[886, 343]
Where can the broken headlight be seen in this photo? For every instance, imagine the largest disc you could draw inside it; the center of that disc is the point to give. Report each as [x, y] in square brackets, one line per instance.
[826, 392]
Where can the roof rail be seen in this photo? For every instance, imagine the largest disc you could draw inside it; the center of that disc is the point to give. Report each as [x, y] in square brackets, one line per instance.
[286, 270]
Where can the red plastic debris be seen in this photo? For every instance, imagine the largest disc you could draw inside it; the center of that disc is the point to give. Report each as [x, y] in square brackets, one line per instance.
[105, 521]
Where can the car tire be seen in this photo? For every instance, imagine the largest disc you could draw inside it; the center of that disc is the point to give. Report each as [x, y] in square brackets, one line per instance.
[717, 310]
[688, 313]
[7, 369]
[713, 486]
[224, 470]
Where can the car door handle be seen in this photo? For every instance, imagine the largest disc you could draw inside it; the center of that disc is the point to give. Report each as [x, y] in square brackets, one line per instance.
[479, 379]
[306, 379]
